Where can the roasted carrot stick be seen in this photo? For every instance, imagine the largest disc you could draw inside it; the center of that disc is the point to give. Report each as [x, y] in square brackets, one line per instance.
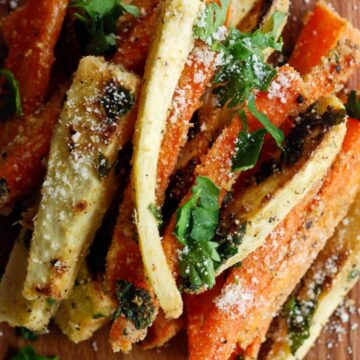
[135, 38]
[21, 165]
[31, 33]
[320, 33]
[268, 276]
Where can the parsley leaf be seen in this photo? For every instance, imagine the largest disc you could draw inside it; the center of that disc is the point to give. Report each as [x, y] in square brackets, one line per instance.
[10, 100]
[197, 221]
[26, 333]
[135, 304]
[211, 20]
[156, 213]
[244, 68]
[275, 132]
[353, 105]
[248, 148]
[99, 22]
[28, 353]
[299, 317]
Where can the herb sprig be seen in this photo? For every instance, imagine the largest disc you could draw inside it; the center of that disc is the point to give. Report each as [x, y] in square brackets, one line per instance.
[99, 22]
[353, 105]
[10, 100]
[244, 68]
[28, 353]
[197, 221]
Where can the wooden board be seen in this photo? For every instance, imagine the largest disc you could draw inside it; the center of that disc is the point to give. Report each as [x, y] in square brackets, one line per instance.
[56, 343]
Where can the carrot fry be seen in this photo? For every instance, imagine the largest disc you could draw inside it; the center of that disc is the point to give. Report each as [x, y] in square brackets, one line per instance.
[320, 33]
[21, 166]
[135, 40]
[267, 277]
[31, 33]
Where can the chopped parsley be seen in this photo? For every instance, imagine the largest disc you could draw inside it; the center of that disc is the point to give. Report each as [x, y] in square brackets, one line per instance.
[197, 221]
[26, 334]
[28, 353]
[249, 145]
[98, 22]
[299, 316]
[135, 304]
[10, 100]
[156, 213]
[98, 316]
[211, 21]
[353, 106]
[243, 63]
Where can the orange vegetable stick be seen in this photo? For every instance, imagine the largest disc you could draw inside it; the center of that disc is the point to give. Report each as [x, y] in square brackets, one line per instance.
[31, 33]
[135, 38]
[320, 33]
[21, 164]
[267, 276]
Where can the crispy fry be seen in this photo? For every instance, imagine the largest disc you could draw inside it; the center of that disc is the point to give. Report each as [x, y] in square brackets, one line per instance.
[31, 33]
[22, 165]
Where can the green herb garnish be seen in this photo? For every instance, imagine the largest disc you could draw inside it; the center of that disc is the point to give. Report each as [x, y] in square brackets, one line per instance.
[28, 353]
[51, 301]
[353, 105]
[275, 132]
[299, 317]
[26, 334]
[135, 304]
[211, 20]
[99, 22]
[10, 100]
[156, 213]
[197, 221]
[98, 316]
[243, 63]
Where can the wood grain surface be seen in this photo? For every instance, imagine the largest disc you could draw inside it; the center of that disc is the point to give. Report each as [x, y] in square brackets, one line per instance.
[329, 347]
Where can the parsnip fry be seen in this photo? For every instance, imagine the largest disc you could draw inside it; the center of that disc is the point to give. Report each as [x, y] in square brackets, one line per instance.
[14, 308]
[166, 61]
[78, 187]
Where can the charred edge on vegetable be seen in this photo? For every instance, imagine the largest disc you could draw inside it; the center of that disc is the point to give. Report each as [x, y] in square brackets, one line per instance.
[103, 166]
[4, 191]
[309, 129]
[195, 127]
[117, 101]
[135, 304]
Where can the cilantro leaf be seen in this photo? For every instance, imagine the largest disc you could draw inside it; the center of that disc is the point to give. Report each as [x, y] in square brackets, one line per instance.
[10, 100]
[98, 20]
[211, 20]
[275, 132]
[197, 221]
[353, 105]
[28, 353]
[244, 68]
